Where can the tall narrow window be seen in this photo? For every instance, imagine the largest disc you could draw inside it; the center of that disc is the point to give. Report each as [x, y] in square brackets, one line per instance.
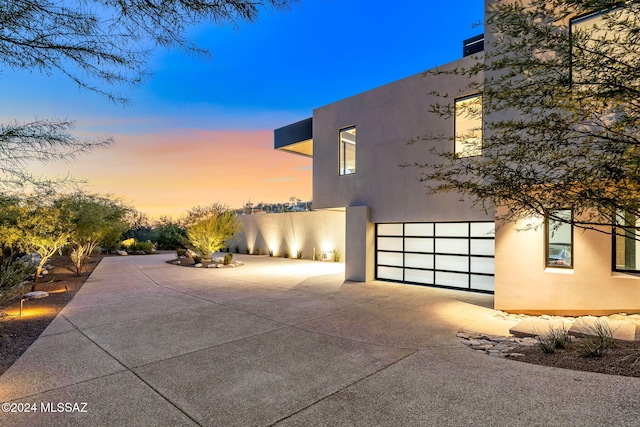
[599, 46]
[468, 126]
[560, 239]
[627, 243]
[348, 150]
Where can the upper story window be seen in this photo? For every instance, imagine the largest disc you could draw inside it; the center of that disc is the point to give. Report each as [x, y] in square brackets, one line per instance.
[626, 256]
[559, 233]
[598, 45]
[348, 150]
[468, 126]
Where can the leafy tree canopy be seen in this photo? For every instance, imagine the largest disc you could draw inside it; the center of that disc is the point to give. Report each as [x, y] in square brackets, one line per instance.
[560, 114]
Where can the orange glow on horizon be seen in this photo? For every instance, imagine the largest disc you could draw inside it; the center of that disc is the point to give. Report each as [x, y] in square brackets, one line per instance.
[167, 173]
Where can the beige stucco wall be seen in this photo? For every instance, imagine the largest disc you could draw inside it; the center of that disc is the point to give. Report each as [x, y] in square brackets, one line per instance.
[386, 118]
[524, 285]
[322, 230]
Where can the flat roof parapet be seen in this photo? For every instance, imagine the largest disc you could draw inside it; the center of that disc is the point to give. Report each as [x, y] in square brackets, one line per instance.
[473, 45]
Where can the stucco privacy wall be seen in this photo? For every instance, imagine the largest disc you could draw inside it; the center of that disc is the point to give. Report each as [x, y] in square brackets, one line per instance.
[524, 285]
[322, 230]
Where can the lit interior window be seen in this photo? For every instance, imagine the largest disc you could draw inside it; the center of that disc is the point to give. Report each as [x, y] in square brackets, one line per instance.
[468, 126]
[560, 239]
[627, 243]
[348, 151]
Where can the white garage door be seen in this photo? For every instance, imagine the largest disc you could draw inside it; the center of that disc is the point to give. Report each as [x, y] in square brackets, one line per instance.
[449, 254]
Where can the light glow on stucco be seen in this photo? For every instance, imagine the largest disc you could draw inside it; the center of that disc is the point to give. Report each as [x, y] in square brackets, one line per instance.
[273, 247]
[309, 233]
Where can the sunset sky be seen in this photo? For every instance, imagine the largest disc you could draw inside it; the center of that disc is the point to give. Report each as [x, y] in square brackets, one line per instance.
[201, 131]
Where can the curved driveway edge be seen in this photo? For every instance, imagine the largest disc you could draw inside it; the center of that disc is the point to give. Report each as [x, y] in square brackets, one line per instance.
[287, 342]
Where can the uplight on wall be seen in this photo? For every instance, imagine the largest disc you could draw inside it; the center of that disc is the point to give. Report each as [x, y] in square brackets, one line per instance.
[273, 248]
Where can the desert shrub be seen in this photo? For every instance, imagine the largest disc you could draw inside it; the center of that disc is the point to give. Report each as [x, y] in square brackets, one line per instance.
[287, 253]
[210, 227]
[598, 338]
[299, 254]
[554, 338]
[170, 234]
[227, 259]
[197, 259]
[258, 251]
[181, 252]
[337, 256]
[13, 272]
[146, 247]
[270, 252]
[236, 249]
[128, 243]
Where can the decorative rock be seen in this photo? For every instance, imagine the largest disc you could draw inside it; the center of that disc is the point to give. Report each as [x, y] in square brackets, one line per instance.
[211, 266]
[198, 265]
[495, 346]
[219, 265]
[488, 347]
[122, 253]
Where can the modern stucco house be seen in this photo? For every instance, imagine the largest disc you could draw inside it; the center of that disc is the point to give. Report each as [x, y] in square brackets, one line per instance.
[395, 231]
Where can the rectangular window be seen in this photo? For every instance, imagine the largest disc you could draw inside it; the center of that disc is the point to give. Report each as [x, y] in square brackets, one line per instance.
[598, 45]
[348, 150]
[468, 126]
[627, 243]
[559, 232]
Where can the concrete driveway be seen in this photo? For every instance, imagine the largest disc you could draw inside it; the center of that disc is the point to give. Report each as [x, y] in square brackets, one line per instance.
[288, 343]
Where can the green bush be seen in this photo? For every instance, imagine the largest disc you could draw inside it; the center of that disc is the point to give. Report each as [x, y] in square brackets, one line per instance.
[287, 253]
[181, 252]
[258, 251]
[227, 259]
[13, 272]
[337, 256]
[146, 247]
[299, 254]
[236, 249]
[197, 259]
[270, 252]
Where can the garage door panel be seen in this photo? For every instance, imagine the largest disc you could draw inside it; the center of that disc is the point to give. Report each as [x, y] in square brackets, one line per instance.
[418, 261]
[454, 280]
[390, 243]
[418, 276]
[390, 273]
[417, 244]
[391, 258]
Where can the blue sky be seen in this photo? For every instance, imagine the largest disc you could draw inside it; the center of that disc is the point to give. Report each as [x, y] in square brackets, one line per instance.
[261, 76]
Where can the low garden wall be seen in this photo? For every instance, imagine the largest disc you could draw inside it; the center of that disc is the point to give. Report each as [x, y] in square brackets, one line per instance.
[319, 233]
